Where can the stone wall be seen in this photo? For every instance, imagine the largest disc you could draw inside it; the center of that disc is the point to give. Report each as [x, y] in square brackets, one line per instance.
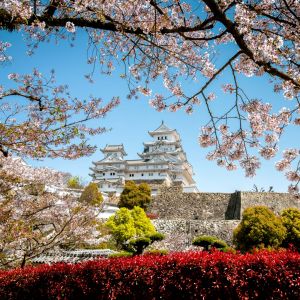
[182, 216]
[179, 233]
[223, 229]
[172, 203]
[275, 201]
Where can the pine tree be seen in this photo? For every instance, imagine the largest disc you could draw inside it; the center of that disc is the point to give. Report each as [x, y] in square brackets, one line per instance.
[91, 195]
[135, 195]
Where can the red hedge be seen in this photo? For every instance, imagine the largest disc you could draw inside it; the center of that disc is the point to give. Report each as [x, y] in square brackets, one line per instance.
[190, 275]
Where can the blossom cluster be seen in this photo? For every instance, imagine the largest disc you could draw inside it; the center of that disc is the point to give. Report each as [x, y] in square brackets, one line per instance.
[33, 219]
[53, 119]
[260, 129]
[167, 41]
[3, 56]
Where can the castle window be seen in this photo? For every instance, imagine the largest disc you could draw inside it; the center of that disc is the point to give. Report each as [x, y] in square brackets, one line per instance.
[111, 174]
[150, 174]
[165, 137]
[103, 174]
[131, 175]
[142, 174]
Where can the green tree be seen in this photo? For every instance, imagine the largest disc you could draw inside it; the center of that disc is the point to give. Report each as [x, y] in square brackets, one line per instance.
[138, 245]
[207, 242]
[132, 229]
[291, 221]
[259, 228]
[121, 225]
[91, 195]
[135, 195]
[75, 183]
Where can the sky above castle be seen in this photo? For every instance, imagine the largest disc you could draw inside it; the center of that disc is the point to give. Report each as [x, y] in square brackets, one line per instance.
[131, 121]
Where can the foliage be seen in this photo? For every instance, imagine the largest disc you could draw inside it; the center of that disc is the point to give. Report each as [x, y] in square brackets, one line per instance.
[34, 220]
[122, 226]
[259, 228]
[75, 183]
[291, 221]
[228, 250]
[132, 228]
[157, 251]
[142, 223]
[186, 275]
[138, 245]
[91, 195]
[135, 195]
[157, 236]
[207, 242]
[121, 254]
[262, 189]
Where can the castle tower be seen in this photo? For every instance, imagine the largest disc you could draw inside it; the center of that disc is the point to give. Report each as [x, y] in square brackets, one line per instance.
[162, 161]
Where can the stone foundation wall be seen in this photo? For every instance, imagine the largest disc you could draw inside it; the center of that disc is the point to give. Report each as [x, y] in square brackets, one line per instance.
[172, 203]
[275, 201]
[179, 233]
[223, 229]
[182, 216]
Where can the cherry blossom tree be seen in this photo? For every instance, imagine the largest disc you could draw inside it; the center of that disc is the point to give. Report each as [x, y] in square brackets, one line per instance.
[167, 41]
[34, 220]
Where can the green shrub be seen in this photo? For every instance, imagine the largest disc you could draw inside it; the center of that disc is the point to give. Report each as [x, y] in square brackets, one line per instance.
[91, 195]
[132, 229]
[75, 182]
[157, 236]
[259, 228]
[135, 195]
[157, 251]
[137, 246]
[207, 242]
[291, 221]
[121, 254]
[228, 250]
[121, 226]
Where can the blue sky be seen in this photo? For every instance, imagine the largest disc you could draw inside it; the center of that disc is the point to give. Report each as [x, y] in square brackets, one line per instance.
[131, 121]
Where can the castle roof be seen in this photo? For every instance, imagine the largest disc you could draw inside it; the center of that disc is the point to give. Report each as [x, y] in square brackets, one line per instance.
[166, 142]
[162, 129]
[114, 148]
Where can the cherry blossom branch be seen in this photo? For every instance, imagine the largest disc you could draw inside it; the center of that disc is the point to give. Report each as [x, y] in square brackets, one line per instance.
[213, 77]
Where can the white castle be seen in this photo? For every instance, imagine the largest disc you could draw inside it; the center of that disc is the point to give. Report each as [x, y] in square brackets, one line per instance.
[163, 161]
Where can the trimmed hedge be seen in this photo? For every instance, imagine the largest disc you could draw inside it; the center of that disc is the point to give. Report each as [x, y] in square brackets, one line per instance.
[190, 275]
[208, 241]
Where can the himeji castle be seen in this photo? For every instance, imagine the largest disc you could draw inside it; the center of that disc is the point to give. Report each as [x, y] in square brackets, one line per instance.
[162, 161]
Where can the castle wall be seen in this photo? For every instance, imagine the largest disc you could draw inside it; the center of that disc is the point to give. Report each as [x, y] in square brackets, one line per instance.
[182, 216]
[179, 233]
[275, 201]
[172, 203]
